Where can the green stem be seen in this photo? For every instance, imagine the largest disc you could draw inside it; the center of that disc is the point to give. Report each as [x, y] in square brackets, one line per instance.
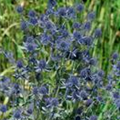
[100, 117]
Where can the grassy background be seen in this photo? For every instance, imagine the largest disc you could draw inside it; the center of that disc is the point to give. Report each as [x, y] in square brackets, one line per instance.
[107, 17]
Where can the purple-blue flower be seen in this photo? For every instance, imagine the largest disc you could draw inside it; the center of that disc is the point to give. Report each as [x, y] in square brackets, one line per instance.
[19, 64]
[19, 9]
[80, 7]
[17, 114]
[97, 33]
[32, 13]
[43, 90]
[3, 108]
[93, 117]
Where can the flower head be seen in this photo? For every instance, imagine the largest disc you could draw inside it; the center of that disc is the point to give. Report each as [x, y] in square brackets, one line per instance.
[17, 114]
[83, 95]
[19, 9]
[52, 3]
[30, 47]
[115, 56]
[89, 102]
[32, 13]
[30, 109]
[97, 33]
[63, 45]
[24, 25]
[41, 65]
[62, 11]
[91, 16]
[19, 64]
[93, 117]
[54, 102]
[43, 90]
[3, 108]
[80, 7]
[35, 90]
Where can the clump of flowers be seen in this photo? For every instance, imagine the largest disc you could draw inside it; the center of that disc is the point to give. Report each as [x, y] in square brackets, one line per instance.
[58, 79]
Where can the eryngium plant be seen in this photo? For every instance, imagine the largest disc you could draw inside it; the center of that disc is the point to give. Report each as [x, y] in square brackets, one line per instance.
[58, 79]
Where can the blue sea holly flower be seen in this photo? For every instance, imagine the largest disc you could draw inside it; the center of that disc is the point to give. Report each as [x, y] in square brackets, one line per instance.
[116, 69]
[109, 87]
[63, 45]
[33, 21]
[118, 65]
[99, 98]
[91, 16]
[41, 65]
[101, 73]
[84, 73]
[30, 109]
[19, 64]
[30, 47]
[17, 114]
[116, 95]
[76, 25]
[43, 90]
[54, 102]
[80, 7]
[83, 95]
[3, 108]
[97, 33]
[30, 39]
[76, 96]
[87, 40]
[76, 35]
[16, 89]
[70, 12]
[48, 102]
[5, 80]
[79, 110]
[43, 18]
[32, 13]
[24, 25]
[9, 56]
[35, 90]
[73, 80]
[115, 56]
[89, 102]
[92, 61]
[19, 9]
[38, 76]
[51, 102]
[117, 102]
[64, 33]
[52, 3]
[16, 86]
[45, 39]
[93, 117]
[50, 11]
[62, 11]
[49, 25]
[87, 26]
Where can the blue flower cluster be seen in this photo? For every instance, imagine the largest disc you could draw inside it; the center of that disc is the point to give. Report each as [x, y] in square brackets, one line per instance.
[58, 79]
